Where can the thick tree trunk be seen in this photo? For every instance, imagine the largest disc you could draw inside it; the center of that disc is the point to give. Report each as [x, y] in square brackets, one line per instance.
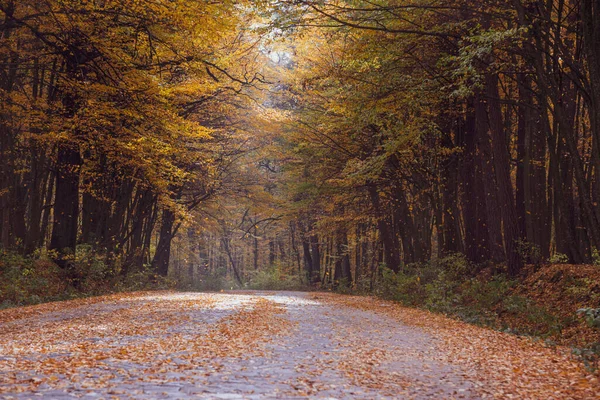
[255, 248]
[532, 193]
[272, 252]
[404, 224]
[36, 198]
[452, 238]
[342, 259]
[68, 166]
[316, 259]
[510, 221]
[392, 258]
[473, 193]
[295, 250]
[492, 205]
[308, 260]
[524, 123]
[590, 22]
[160, 263]
[66, 202]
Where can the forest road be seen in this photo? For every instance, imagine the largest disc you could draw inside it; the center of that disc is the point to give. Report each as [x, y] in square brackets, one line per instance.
[264, 345]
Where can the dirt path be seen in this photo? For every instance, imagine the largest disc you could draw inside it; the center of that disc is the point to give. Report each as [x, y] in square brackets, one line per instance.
[259, 345]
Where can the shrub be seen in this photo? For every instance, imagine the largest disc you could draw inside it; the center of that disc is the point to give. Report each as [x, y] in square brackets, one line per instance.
[92, 274]
[406, 289]
[595, 257]
[28, 280]
[208, 281]
[591, 315]
[487, 294]
[558, 258]
[455, 266]
[363, 285]
[589, 355]
[529, 252]
[143, 279]
[35, 279]
[443, 294]
[274, 278]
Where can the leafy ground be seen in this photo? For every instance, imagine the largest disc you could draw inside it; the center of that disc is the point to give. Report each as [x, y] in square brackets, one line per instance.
[270, 345]
[544, 303]
[562, 289]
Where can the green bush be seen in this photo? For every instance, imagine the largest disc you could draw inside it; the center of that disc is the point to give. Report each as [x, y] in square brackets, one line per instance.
[558, 258]
[591, 315]
[143, 279]
[343, 286]
[589, 355]
[529, 252]
[35, 279]
[363, 285]
[215, 281]
[455, 266]
[443, 294]
[447, 285]
[487, 294]
[583, 289]
[595, 257]
[91, 273]
[28, 280]
[274, 278]
[401, 287]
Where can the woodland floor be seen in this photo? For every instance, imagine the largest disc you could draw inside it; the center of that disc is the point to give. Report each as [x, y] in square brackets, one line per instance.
[254, 345]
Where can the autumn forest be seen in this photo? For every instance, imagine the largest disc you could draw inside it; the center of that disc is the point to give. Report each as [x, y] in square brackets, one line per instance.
[443, 155]
[330, 136]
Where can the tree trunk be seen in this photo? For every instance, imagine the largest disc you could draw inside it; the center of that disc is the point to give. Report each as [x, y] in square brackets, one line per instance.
[473, 193]
[160, 263]
[510, 221]
[392, 258]
[316, 259]
[492, 205]
[66, 202]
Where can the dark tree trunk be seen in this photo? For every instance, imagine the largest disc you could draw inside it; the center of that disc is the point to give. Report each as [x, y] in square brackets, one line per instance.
[68, 166]
[66, 202]
[392, 258]
[160, 263]
[531, 195]
[524, 132]
[342, 259]
[510, 222]
[36, 198]
[316, 259]
[255, 248]
[295, 249]
[404, 224]
[193, 250]
[590, 22]
[452, 238]
[272, 252]
[308, 259]
[492, 205]
[473, 193]
[48, 194]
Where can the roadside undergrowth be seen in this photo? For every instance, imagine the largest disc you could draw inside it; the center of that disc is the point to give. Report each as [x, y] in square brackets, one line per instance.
[35, 279]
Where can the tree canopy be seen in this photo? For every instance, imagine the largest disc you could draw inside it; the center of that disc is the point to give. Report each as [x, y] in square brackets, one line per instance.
[325, 138]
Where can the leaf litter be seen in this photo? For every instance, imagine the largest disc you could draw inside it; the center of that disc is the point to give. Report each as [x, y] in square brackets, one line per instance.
[502, 365]
[277, 345]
